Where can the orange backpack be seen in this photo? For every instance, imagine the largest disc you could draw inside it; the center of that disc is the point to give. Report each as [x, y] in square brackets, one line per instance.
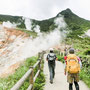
[73, 65]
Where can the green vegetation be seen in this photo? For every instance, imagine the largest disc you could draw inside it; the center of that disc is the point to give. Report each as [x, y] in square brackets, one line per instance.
[60, 58]
[75, 22]
[85, 75]
[30, 33]
[7, 83]
[40, 81]
[15, 19]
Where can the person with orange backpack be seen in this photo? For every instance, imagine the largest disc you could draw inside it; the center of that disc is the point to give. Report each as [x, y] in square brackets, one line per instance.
[72, 67]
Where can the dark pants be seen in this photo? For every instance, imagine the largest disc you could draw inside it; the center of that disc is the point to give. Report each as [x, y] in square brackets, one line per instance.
[76, 86]
[51, 65]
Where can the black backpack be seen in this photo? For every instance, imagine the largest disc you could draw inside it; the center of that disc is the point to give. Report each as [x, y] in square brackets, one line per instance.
[51, 57]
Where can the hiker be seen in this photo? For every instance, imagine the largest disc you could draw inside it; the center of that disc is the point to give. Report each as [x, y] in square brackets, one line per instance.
[65, 55]
[66, 51]
[73, 65]
[51, 57]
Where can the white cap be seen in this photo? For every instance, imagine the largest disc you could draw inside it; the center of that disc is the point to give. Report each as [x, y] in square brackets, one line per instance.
[51, 49]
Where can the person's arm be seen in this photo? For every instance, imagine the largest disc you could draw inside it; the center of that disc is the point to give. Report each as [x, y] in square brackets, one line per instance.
[65, 69]
[55, 57]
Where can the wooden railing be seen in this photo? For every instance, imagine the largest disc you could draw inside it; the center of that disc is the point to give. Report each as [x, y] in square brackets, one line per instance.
[30, 74]
[61, 53]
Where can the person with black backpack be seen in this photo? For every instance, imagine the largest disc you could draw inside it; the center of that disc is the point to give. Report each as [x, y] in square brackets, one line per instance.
[51, 57]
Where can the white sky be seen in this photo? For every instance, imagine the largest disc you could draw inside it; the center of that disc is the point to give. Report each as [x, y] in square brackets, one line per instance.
[42, 9]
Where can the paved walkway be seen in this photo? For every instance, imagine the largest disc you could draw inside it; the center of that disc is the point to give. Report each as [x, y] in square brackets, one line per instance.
[60, 80]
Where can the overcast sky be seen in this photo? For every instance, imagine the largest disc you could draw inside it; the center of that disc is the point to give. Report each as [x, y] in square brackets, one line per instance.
[43, 9]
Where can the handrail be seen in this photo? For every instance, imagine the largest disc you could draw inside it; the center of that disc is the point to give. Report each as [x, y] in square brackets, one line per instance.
[36, 64]
[30, 73]
[30, 86]
[21, 81]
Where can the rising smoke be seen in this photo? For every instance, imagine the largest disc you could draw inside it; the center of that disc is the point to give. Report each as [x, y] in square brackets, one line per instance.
[23, 48]
[43, 41]
[10, 25]
[88, 33]
[28, 24]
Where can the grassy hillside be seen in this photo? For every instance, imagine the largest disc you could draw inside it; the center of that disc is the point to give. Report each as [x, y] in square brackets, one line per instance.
[74, 21]
[15, 19]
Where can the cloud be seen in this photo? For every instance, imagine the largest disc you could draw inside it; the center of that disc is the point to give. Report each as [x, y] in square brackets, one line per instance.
[80, 7]
[42, 9]
[37, 9]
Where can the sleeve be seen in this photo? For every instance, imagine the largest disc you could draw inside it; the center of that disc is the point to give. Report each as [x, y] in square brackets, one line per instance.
[79, 62]
[65, 58]
[55, 57]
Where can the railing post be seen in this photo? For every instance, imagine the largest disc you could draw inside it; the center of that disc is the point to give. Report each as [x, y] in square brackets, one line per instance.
[40, 59]
[32, 77]
[42, 56]
[39, 64]
[39, 55]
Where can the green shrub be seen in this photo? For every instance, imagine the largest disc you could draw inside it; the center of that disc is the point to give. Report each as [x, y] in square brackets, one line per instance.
[85, 76]
[7, 83]
[40, 82]
[61, 58]
[87, 52]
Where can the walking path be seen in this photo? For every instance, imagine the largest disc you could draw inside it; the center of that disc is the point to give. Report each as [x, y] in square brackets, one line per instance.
[60, 80]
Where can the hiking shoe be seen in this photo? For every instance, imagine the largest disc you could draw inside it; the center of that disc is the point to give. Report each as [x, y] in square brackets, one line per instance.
[51, 82]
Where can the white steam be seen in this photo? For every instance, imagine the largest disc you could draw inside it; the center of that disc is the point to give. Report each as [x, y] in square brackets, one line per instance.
[37, 29]
[10, 25]
[60, 22]
[88, 33]
[45, 41]
[23, 48]
[28, 23]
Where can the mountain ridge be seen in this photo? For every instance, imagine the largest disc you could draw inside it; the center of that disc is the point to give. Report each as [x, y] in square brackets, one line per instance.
[73, 21]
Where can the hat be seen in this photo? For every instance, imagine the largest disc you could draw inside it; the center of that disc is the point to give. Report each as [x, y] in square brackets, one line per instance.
[51, 49]
[71, 50]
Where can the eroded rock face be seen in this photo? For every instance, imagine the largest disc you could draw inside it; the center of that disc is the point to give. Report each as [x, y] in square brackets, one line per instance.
[2, 34]
[11, 47]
